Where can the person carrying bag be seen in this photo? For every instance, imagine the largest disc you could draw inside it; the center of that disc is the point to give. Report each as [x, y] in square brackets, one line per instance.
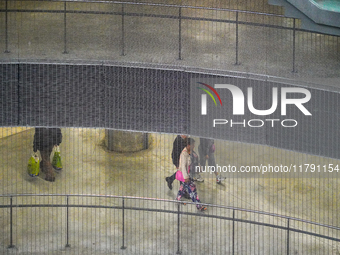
[183, 175]
[45, 139]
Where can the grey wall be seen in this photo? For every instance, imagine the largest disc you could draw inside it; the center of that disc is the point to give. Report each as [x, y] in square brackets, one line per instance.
[155, 100]
[317, 134]
[93, 96]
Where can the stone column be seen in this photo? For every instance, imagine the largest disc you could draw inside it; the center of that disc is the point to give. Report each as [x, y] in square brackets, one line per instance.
[125, 141]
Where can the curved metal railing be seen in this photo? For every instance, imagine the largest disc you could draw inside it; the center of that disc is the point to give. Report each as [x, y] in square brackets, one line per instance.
[287, 227]
[237, 21]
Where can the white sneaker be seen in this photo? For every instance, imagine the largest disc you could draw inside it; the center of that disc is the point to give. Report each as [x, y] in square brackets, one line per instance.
[219, 179]
[199, 178]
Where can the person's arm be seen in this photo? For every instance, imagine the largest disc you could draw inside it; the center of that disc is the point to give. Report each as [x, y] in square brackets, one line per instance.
[210, 144]
[183, 165]
[188, 163]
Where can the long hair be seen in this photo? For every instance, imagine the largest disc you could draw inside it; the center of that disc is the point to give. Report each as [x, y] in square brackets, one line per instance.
[189, 141]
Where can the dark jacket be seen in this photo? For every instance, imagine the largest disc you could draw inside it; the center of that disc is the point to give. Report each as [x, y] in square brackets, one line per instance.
[204, 148]
[178, 146]
[46, 138]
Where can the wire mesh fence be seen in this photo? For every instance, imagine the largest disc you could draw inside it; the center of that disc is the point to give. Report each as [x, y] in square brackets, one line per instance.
[141, 225]
[214, 35]
[89, 167]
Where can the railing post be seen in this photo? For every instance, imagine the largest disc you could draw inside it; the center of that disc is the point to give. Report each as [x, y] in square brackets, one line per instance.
[123, 30]
[123, 247]
[178, 228]
[65, 31]
[236, 47]
[294, 44]
[233, 241]
[11, 223]
[288, 237]
[6, 28]
[67, 226]
[180, 33]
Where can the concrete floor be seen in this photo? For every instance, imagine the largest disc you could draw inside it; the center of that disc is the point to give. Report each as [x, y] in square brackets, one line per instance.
[40, 36]
[89, 168]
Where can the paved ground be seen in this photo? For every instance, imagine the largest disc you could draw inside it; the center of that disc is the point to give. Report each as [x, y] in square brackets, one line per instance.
[218, 45]
[91, 169]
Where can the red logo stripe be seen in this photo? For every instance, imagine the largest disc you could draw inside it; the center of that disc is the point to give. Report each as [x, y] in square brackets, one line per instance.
[208, 86]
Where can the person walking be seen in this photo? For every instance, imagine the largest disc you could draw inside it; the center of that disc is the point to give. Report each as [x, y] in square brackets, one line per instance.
[195, 167]
[178, 145]
[206, 150]
[44, 141]
[183, 175]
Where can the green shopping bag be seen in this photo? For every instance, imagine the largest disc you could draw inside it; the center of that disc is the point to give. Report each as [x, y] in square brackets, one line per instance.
[56, 161]
[33, 167]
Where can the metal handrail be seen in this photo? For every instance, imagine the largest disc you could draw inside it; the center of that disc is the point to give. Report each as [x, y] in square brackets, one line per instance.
[123, 207]
[182, 68]
[123, 13]
[289, 218]
[170, 201]
[178, 17]
[159, 5]
[7, 10]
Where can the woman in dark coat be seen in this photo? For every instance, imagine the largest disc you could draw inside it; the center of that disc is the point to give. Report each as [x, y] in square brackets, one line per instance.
[44, 141]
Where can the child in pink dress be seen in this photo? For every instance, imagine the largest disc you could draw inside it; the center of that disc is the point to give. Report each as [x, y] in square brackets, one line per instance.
[183, 175]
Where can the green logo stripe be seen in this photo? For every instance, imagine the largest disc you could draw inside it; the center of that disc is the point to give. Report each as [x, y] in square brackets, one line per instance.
[209, 94]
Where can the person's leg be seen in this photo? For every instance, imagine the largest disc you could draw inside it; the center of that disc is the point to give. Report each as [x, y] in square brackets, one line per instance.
[173, 177]
[180, 191]
[212, 162]
[170, 180]
[196, 176]
[202, 161]
[46, 166]
[191, 187]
